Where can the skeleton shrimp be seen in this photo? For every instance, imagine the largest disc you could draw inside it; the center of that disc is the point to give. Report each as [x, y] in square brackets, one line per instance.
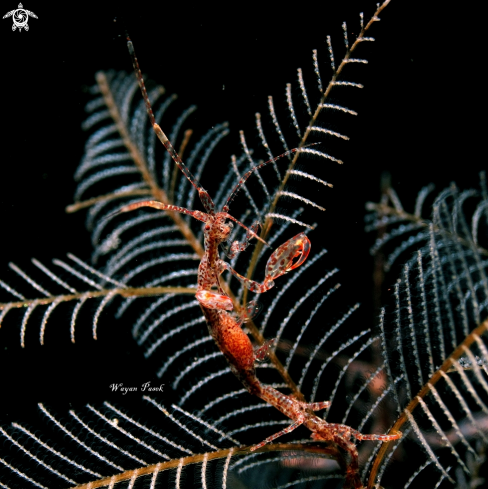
[225, 328]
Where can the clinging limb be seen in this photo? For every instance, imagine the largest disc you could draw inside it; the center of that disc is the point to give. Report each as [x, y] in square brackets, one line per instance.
[217, 230]
[201, 216]
[279, 263]
[226, 328]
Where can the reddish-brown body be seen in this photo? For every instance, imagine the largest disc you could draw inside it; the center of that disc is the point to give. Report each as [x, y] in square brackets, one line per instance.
[226, 328]
[239, 353]
[235, 345]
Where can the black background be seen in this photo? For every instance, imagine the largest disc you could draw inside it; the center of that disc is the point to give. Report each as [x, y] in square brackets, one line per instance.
[421, 118]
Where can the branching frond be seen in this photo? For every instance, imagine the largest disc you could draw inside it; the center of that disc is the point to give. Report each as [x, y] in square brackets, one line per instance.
[435, 332]
[68, 282]
[124, 163]
[147, 264]
[118, 449]
[316, 125]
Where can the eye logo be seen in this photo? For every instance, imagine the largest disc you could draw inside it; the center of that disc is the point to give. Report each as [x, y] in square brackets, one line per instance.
[20, 16]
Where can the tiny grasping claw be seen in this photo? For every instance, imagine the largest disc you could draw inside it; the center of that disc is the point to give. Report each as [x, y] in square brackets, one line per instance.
[318, 406]
[225, 327]
[262, 351]
[396, 436]
[281, 261]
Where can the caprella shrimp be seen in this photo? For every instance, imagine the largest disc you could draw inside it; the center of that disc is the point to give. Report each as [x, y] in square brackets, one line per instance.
[226, 327]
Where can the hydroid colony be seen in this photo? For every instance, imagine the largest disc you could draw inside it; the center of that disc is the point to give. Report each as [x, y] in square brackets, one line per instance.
[371, 384]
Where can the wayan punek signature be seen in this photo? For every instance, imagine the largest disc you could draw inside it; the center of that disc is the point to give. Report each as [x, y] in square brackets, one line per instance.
[146, 387]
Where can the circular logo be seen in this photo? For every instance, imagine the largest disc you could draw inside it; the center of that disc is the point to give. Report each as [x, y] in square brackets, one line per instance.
[20, 19]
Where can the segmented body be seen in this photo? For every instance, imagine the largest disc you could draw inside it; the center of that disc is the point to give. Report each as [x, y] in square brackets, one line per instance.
[239, 353]
[225, 328]
[210, 268]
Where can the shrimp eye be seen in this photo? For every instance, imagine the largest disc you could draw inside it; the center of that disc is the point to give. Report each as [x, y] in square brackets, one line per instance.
[207, 227]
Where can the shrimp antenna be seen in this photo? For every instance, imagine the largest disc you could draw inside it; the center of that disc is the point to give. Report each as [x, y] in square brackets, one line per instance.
[242, 181]
[159, 132]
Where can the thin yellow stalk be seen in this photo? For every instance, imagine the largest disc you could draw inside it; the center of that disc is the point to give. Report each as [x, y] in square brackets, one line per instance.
[445, 367]
[194, 459]
[124, 292]
[268, 223]
[158, 193]
[391, 211]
